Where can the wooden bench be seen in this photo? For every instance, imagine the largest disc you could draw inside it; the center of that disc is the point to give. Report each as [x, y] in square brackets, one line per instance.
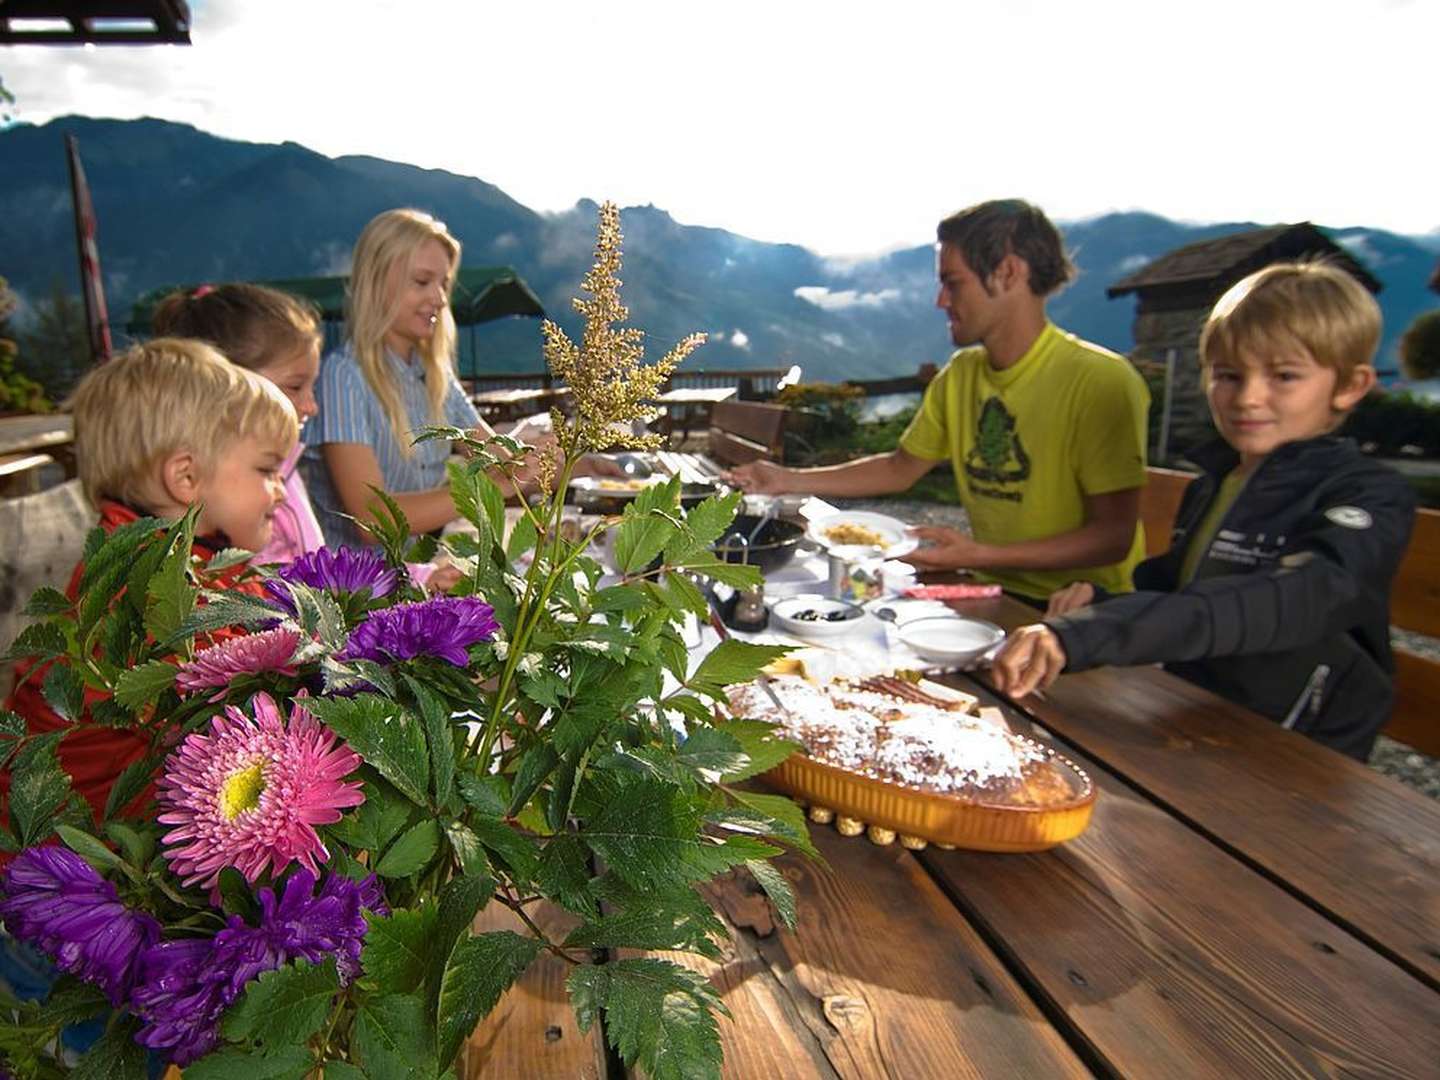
[745, 431]
[20, 473]
[1414, 606]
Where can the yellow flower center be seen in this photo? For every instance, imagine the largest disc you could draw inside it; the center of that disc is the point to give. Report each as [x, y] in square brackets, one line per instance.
[241, 791]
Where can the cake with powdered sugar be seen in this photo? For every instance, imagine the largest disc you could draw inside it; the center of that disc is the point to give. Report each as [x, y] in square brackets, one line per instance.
[888, 730]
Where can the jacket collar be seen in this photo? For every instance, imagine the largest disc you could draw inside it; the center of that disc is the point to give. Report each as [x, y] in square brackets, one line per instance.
[1217, 458]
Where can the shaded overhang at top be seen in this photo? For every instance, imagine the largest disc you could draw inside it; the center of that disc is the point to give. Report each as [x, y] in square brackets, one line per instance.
[97, 22]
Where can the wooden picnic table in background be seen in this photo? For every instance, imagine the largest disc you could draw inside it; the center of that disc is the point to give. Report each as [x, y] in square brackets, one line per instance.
[689, 407]
[1245, 902]
[501, 406]
[29, 443]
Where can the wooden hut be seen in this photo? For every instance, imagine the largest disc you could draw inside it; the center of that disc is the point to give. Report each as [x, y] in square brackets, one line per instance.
[1177, 291]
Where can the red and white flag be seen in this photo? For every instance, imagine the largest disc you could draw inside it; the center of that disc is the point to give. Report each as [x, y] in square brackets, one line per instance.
[96, 318]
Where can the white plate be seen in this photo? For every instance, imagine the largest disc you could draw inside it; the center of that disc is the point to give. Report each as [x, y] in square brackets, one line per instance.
[950, 640]
[612, 485]
[783, 613]
[897, 540]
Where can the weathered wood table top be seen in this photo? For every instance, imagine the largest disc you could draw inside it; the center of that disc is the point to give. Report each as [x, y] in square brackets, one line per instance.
[1244, 903]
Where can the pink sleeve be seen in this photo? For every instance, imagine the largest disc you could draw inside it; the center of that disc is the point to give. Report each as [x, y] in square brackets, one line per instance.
[296, 530]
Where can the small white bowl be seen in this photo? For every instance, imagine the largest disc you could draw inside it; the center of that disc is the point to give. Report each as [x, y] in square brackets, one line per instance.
[827, 617]
[950, 640]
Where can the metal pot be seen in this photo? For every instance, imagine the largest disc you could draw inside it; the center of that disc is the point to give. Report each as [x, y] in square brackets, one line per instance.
[773, 547]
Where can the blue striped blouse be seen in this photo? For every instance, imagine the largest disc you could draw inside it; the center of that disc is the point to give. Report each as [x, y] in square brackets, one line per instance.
[351, 413]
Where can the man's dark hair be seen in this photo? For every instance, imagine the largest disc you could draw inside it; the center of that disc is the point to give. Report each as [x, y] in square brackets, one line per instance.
[986, 232]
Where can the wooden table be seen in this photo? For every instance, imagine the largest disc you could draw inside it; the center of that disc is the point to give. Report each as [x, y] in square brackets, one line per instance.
[1244, 903]
[500, 406]
[686, 405]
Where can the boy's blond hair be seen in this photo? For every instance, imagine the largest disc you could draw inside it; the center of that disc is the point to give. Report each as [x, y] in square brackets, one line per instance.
[1315, 305]
[164, 397]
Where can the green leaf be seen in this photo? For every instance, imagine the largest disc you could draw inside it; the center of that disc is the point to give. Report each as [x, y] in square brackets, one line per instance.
[480, 969]
[284, 1063]
[46, 601]
[657, 1014]
[88, 848]
[648, 832]
[117, 1056]
[617, 598]
[12, 725]
[641, 537]
[221, 610]
[398, 951]
[518, 851]
[786, 819]
[438, 734]
[536, 765]
[736, 575]
[522, 538]
[460, 901]
[170, 596]
[683, 595]
[393, 1038]
[761, 743]
[732, 661]
[64, 692]
[382, 733]
[40, 641]
[375, 822]
[704, 524]
[412, 851]
[38, 788]
[284, 1007]
[712, 753]
[133, 779]
[226, 558]
[236, 896]
[467, 848]
[138, 847]
[563, 874]
[139, 686]
[776, 888]
[488, 794]
[680, 921]
[70, 1002]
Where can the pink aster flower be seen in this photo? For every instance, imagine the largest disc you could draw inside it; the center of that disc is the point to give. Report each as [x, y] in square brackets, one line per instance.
[250, 792]
[269, 650]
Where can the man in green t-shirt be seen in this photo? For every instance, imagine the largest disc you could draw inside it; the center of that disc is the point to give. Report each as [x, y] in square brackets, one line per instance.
[1046, 432]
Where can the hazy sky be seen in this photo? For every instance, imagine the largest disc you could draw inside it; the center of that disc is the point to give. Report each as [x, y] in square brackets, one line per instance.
[846, 127]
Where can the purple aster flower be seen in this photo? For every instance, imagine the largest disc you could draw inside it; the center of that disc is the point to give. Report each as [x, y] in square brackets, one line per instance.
[338, 570]
[56, 902]
[185, 986]
[444, 626]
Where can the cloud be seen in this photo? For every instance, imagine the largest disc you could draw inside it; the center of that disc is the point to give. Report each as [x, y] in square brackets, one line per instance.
[1358, 245]
[837, 340]
[1131, 263]
[740, 340]
[827, 300]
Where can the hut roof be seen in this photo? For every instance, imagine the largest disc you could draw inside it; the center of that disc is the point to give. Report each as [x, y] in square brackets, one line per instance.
[1227, 259]
[94, 22]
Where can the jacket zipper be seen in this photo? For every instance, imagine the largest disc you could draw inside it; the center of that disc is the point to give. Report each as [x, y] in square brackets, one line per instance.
[1310, 697]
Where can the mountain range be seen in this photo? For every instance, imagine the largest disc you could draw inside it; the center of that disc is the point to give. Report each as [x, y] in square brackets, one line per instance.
[175, 205]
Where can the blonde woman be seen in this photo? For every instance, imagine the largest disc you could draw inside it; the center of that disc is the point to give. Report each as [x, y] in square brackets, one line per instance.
[395, 374]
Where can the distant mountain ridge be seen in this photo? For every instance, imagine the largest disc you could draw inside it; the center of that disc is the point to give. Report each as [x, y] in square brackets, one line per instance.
[176, 204]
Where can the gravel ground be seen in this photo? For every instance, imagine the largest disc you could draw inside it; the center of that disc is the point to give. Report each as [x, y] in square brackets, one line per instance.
[1394, 759]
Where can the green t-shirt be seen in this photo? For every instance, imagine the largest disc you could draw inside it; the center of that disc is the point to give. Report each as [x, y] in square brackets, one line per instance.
[1230, 489]
[1030, 442]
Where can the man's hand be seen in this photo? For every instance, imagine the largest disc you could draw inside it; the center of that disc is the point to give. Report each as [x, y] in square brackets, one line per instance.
[943, 549]
[760, 478]
[1031, 659]
[1077, 594]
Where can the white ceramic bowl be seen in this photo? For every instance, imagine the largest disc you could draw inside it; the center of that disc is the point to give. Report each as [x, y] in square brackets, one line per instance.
[811, 615]
[948, 640]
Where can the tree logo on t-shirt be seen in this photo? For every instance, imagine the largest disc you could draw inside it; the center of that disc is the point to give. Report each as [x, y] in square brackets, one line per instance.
[997, 456]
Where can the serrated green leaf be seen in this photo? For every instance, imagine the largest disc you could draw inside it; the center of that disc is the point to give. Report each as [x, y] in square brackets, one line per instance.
[133, 779]
[38, 641]
[64, 692]
[680, 921]
[435, 715]
[729, 662]
[399, 950]
[88, 848]
[138, 847]
[117, 1056]
[460, 901]
[641, 537]
[712, 753]
[522, 538]
[488, 794]
[617, 598]
[480, 970]
[762, 743]
[563, 874]
[657, 1014]
[38, 788]
[422, 549]
[736, 575]
[284, 1007]
[46, 601]
[787, 820]
[226, 558]
[70, 1002]
[169, 596]
[12, 725]
[393, 1037]
[139, 686]
[704, 524]
[411, 852]
[467, 848]
[385, 735]
[536, 765]
[221, 610]
[776, 887]
[236, 895]
[284, 1063]
[518, 851]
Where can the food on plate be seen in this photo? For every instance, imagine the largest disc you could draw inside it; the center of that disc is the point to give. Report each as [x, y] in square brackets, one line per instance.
[853, 533]
[619, 485]
[890, 730]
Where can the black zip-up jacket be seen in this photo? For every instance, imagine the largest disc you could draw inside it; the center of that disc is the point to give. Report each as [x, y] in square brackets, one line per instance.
[1288, 612]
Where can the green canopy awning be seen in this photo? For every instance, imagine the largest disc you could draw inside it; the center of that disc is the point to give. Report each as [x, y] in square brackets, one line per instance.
[481, 293]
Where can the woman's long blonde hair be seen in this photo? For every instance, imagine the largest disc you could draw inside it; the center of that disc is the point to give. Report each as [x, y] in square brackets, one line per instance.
[389, 242]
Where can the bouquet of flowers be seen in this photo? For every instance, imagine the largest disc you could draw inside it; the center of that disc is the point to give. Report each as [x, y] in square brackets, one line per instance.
[342, 773]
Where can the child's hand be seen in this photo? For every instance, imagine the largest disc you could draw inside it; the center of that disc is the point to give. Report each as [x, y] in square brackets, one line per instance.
[1077, 594]
[443, 579]
[1031, 659]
